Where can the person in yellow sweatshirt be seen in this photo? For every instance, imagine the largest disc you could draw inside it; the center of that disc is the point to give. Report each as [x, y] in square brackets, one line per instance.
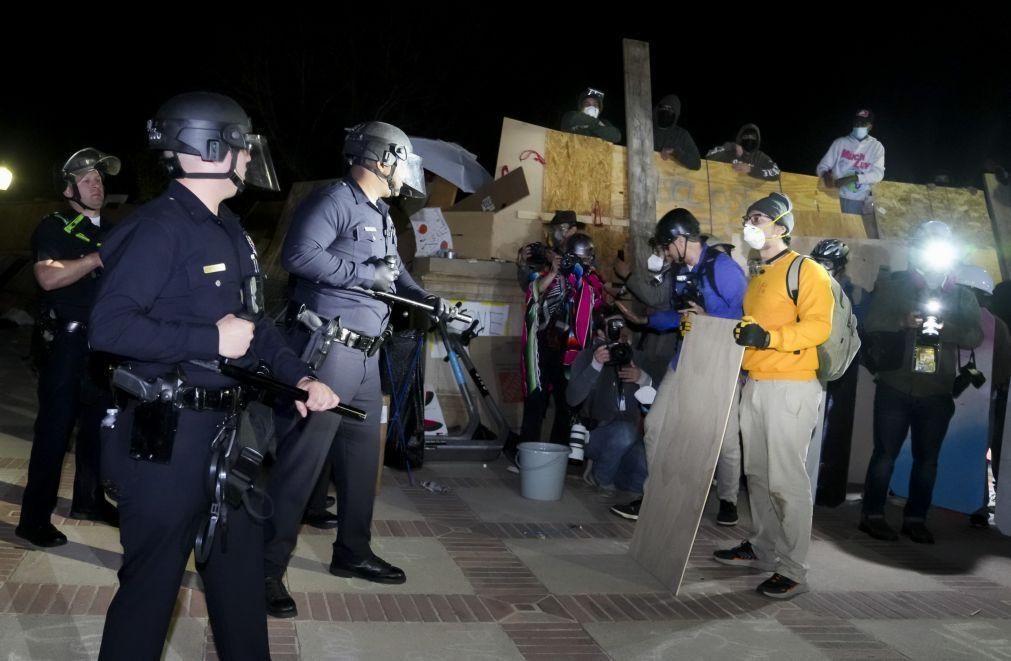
[780, 399]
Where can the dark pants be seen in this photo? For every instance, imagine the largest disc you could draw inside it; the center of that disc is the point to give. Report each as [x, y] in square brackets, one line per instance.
[998, 408]
[837, 435]
[68, 395]
[535, 406]
[926, 420]
[161, 508]
[317, 499]
[302, 453]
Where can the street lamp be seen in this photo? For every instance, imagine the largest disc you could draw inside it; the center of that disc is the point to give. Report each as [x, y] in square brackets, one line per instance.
[6, 177]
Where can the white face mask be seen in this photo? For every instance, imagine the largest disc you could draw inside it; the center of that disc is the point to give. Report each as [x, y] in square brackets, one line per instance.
[592, 111]
[654, 264]
[754, 237]
[860, 132]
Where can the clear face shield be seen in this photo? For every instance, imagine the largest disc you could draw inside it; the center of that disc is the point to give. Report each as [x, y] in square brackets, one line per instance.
[260, 171]
[412, 177]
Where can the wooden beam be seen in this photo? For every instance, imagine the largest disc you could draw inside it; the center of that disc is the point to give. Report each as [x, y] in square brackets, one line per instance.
[639, 131]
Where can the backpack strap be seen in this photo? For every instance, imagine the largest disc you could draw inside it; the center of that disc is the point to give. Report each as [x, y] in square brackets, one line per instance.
[793, 278]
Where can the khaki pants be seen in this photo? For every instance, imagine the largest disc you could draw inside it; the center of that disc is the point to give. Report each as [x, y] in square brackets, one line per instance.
[778, 419]
[663, 414]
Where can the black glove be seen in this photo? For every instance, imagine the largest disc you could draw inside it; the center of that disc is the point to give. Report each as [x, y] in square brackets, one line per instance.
[749, 334]
[385, 276]
[440, 307]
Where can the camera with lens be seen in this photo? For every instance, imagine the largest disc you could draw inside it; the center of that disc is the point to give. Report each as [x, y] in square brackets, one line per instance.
[538, 258]
[928, 336]
[621, 352]
[568, 262]
[689, 293]
[968, 375]
[579, 436]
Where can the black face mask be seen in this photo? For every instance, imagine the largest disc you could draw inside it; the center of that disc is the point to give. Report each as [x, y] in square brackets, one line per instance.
[749, 144]
[665, 118]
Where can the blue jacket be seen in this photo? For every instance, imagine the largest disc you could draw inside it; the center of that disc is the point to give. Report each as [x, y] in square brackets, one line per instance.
[725, 301]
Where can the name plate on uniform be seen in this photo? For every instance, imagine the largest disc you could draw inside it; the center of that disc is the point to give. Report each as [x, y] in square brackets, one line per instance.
[214, 268]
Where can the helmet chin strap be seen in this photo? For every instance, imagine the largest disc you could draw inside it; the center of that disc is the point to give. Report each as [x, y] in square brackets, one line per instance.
[232, 175]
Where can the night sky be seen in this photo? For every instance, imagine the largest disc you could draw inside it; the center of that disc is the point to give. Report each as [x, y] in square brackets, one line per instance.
[940, 87]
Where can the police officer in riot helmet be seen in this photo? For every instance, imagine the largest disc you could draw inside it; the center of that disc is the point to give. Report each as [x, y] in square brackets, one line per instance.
[342, 247]
[67, 268]
[178, 300]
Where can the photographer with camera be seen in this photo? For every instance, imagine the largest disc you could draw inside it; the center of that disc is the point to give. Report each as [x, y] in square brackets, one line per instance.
[604, 379]
[916, 323]
[537, 257]
[560, 304]
[706, 280]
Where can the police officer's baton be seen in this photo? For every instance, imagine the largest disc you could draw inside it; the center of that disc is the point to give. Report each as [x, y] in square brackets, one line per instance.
[274, 386]
[454, 312]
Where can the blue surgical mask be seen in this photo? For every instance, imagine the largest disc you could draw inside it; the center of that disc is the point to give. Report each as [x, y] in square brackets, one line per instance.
[860, 132]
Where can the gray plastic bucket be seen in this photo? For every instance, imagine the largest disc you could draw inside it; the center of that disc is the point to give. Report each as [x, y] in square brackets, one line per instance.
[542, 470]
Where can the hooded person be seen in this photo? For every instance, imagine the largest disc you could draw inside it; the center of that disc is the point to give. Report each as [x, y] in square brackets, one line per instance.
[672, 141]
[745, 155]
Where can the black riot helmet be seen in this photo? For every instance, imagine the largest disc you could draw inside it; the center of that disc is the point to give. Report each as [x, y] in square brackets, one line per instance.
[213, 127]
[372, 143]
[675, 223]
[79, 164]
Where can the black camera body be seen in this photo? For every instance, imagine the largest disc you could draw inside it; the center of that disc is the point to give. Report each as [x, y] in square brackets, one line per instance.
[568, 263]
[621, 354]
[538, 258]
[690, 293]
[968, 375]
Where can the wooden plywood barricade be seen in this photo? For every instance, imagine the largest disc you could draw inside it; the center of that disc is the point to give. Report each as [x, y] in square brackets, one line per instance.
[684, 461]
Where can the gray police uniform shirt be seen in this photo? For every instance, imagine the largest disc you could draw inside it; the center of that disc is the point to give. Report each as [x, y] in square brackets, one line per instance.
[334, 232]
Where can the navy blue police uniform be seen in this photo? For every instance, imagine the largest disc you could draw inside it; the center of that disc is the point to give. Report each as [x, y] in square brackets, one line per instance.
[172, 272]
[69, 389]
[333, 235]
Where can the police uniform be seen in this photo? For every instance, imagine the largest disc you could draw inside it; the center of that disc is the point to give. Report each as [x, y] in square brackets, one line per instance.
[333, 234]
[174, 271]
[68, 394]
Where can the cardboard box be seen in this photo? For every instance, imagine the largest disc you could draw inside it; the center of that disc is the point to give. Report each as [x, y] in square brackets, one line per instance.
[497, 195]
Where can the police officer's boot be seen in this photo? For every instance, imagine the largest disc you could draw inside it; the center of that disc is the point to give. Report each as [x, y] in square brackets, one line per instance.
[279, 602]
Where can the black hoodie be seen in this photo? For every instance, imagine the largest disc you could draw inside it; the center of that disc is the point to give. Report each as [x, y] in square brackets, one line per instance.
[673, 137]
[762, 167]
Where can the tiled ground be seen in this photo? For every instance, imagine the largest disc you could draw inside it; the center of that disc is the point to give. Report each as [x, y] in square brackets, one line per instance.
[494, 576]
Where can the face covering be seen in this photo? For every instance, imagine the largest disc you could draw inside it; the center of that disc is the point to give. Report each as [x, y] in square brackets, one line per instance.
[592, 111]
[665, 118]
[558, 237]
[860, 132]
[749, 144]
[654, 264]
[754, 237]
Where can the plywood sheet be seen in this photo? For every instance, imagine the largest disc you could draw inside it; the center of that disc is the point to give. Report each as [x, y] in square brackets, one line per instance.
[685, 460]
[579, 173]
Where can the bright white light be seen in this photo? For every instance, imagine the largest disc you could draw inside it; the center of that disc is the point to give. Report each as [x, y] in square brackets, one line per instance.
[939, 256]
[6, 177]
[933, 306]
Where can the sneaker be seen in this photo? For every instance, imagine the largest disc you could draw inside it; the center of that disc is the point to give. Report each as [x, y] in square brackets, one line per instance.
[742, 555]
[628, 511]
[778, 586]
[878, 528]
[728, 514]
[980, 519]
[917, 532]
